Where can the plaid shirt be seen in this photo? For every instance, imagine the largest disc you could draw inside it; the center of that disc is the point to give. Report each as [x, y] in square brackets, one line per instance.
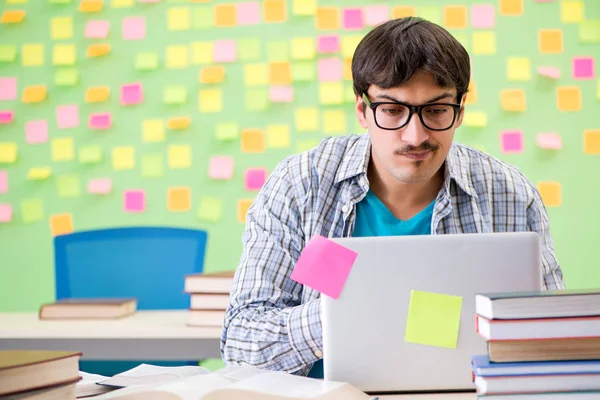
[274, 322]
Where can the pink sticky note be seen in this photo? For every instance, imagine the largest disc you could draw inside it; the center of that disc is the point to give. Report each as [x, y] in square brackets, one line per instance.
[134, 28]
[97, 29]
[583, 67]
[100, 121]
[512, 141]
[99, 186]
[132, 93]
[328, 44]
[549, 72]
[134, 201]
[67, 116]
[220, 167]
[281, 94]
[483, 16]
[549, 141]
[324, 266]
[8, 88]
[6, 116]
[224, 51]
[3, 182]
[5, 213]
[248, 13]
[330, 70]
[375, 15]
[255, 178]
[353, 18]
[36, 132]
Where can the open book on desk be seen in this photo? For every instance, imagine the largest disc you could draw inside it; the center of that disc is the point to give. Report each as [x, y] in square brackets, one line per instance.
[241, 383]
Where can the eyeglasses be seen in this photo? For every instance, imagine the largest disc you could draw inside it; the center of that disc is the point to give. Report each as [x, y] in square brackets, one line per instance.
[395, 115]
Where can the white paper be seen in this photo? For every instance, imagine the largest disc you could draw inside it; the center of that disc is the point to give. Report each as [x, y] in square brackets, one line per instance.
[145, 374]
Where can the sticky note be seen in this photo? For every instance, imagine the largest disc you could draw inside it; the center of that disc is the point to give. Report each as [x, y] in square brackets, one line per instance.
[551, 193]
[68, 186]
[153, 131]
[134, 28]
[278, 51]
[281, 94]
[62, 149]
[431, 13]
[64, 54]
[591, 141]
[257, 100]
[550, 41]
[483, 16]
[518, 69]
[224, 51]
[303, 71]
[403, 11]
[98, 50]
[179, 156]
[274, 11]
[511, 141]
[331, 93]
[328, 44]
[254, 178]
[511, 7]
[17, 1]
[146, 61]
[225, 15]
[324, 266]
[589, 31]
[8, 152]
[433, 319]
[179, 199]
[376, 14]
[304, 7]
[471, 93]
[97, 94]
[89, 6]
[221, 167]
[36, 131]
[303, 48]
[153, 165]
[61, 28]
[210, 209]
[12, 17]
[202, 53]
[568, 98]
[3, 182]
[484, 42]
[455, 17]
[179, 19]
[178, 123]
[97, 29]
[513, 100]
[32, 55]
[177, 56]
[249, 49]
[132, 93]
[253, 141]
[353, 18]
[549, 72]
[61, 224]
[210, 100]
[203, 17]
[39, 173]
[334, 121]
[280, 73]
[571, 11]
[256, 74]
[66, 77]
[134, 201]
[34, 94]
[6, 213]
[242, 209]
[329, 69]
[8, 88]
[67, 116]
[327, 18]
[8, 53]
[551, 141]
[100, 121]
[212, 74]
[32, 210]
[175, 94]
[121, 3]
[278, 136]
[349, 44]
[226, 131]
[6, 116]
[248, 13]
[584, 67]
[123, 158]
[307, 119]
[90, 154]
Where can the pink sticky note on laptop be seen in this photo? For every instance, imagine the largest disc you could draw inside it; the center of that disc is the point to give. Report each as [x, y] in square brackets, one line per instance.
[5, 212]
[97, 29]
[100, 121]
[131, 94]
[99, 186]
[328, 44]
[3, 182]
[220, 167]
[36, 132]
[8, 88]
[6, 116]
[324, 266]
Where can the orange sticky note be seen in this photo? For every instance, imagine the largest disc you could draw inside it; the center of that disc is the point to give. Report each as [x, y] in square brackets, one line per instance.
[242, 209]
[176, 123]
[403, 11]
[568, 98]
[12, 17]
[347, 69]
[34, 94]
[253, 141]
[328, 18]
[97, 94]
[280, 73]
[274, 10]
[511, 7]
[513, 100]
[91, 5]
[213, 74]
[97, 50]
[550, 41]
[471, 93]
[551, 193]
[61, 224]
[591, 141]
[225, 15]
[179, 199]
[455, 17]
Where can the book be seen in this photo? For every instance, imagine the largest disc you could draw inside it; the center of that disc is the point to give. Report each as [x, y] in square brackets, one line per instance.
[540, 304]
[548, 328]
[536, 384]
[217, 282]
[24, 370]
[145, 374]
[209, 301]
[65, 391]
[206, 317]
[88, 386]
[482, 366]
[587, 348]
[101, 308]
[545, 396]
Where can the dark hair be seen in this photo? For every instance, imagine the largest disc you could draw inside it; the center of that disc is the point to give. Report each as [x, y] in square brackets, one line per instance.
[390, 54]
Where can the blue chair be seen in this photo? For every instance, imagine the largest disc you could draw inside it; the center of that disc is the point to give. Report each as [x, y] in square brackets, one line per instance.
[148, 263]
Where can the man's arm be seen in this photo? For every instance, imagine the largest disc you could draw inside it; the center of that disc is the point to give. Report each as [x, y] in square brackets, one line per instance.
[265, 324]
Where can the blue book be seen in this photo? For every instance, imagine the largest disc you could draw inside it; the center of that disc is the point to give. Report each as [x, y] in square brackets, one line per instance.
[482, 366]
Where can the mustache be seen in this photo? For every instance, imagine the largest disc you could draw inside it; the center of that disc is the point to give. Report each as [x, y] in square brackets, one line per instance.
[425, 146]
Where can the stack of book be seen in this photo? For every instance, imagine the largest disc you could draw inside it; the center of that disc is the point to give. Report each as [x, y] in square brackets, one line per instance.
[209, 297]
[541, 345]
[98, 308]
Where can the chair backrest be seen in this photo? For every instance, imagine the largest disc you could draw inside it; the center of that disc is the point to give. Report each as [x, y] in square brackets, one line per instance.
[148, 263]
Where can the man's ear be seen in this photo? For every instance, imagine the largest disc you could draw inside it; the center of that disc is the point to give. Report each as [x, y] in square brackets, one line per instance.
[461, 112]
[360, 110]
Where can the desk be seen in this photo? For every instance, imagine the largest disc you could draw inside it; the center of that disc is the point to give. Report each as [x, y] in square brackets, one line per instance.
[147, 335]
[434, 396]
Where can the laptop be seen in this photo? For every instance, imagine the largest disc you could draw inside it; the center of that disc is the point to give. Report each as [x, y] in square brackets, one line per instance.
[364, 329]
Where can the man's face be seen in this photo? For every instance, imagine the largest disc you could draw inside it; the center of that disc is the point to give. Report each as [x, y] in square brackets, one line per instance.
[412, 154]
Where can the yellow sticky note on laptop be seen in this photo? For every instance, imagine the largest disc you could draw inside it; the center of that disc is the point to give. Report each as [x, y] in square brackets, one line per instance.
[433, 319]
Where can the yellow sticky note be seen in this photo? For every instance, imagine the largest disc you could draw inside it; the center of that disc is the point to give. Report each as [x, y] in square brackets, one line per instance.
[12, 17]
[32, 55]
[123, 158]
[403, 11]
[304, 7]
[39, 173]
[334, 121]
[179, 156]
[571, 11]
[32, 210]
[349, 45]
[178, 19]
[210, 209]
[551, 193]
[64, 54]
[484, 42]
[513, 100]
[153, 131]
[98, 50]
[62, 149]
[328, 18]
[256, 74]
[225, 15]
[280, 73]
[177, 56]
[278, 136]
[210, 100]
[568, 98]
[550, 41]
[8, 152]
[253, 141]
[347, 70]
[97, 94]
[61, 224]
[274, 10]
[303, 48]
[177, 123]
[91, 5]
[121, 3]
[455, 17]
[433, 319]
[331, 93]
[12, 2]
[61, 28]
[471, 93]
[179, 199]
[511, 7]
[213, 74]
[518, 69]
[242, 209]
[307, 119]
[202, 53]
[34, 94]
[475, 119]
[591, 141]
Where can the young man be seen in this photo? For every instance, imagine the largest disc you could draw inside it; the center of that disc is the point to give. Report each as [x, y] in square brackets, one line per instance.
[404, 177]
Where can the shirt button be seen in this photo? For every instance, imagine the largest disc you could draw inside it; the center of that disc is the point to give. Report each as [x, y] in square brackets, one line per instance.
[319, 353]
[345, 208]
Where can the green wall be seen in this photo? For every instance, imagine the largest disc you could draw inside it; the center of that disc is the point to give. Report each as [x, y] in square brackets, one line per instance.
[26, 255]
